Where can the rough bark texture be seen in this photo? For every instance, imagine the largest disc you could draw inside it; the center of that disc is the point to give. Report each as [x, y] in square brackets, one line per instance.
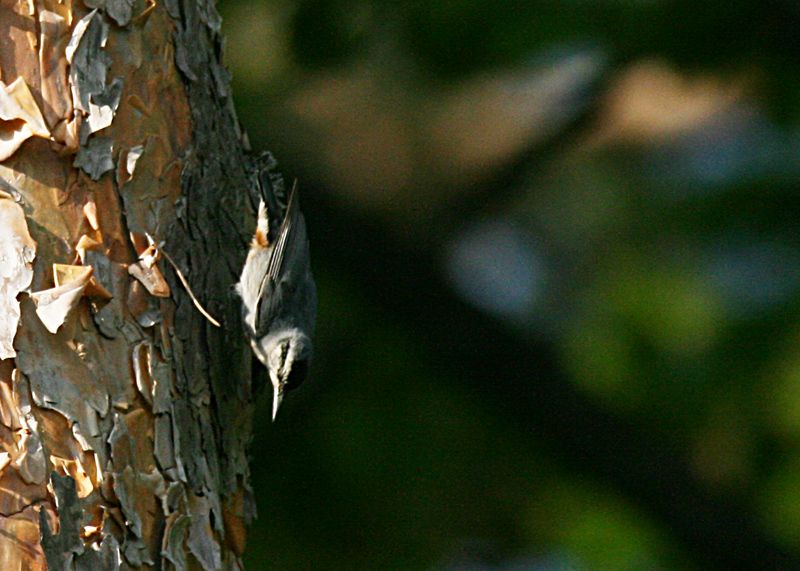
[124, 413]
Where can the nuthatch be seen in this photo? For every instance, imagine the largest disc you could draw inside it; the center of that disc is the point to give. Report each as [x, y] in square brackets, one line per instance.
[279, 298]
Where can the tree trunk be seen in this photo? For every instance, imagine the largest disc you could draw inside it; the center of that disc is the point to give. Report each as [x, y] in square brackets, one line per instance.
[124, 413]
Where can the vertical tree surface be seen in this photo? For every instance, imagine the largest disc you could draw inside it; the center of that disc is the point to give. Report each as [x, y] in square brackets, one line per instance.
[124, 412]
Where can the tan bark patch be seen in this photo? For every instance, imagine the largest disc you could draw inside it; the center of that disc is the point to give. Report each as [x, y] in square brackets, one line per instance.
[17, 251]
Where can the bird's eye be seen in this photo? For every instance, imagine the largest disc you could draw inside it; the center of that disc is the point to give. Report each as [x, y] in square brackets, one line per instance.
[297, 374]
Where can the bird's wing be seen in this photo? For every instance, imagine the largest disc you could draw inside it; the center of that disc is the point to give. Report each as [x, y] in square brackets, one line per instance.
[286, 235]
[291, 233]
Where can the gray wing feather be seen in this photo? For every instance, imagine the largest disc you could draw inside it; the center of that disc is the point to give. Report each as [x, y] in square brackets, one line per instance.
[285, 235]
[288, 246]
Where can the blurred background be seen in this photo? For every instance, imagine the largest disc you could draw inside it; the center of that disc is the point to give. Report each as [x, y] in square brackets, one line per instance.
[557, 254]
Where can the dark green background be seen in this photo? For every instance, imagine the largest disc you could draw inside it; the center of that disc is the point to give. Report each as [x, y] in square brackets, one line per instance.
[622, 390]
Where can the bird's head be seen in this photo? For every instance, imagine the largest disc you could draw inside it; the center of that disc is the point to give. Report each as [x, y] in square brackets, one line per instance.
[286, 354]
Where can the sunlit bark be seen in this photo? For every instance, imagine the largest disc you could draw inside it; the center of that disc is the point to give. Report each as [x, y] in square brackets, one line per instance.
[124, 412]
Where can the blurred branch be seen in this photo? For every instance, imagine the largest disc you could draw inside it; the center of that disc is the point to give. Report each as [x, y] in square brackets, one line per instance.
[643, 464]
[503, 182]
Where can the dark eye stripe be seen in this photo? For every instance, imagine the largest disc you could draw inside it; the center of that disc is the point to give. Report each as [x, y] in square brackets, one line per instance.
[297, 375]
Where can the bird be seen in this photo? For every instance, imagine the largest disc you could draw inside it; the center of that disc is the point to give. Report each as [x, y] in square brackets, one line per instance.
[276, 286]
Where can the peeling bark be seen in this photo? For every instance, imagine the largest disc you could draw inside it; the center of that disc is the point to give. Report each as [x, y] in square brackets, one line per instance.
[124, 413]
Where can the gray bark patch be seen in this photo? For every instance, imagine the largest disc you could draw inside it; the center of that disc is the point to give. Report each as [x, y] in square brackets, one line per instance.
[61, 548]
[96, 158]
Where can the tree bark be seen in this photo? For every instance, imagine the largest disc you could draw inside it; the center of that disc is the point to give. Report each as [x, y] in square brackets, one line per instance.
[124, 413]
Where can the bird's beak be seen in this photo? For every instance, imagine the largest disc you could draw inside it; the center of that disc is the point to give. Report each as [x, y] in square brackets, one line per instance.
[276, 401]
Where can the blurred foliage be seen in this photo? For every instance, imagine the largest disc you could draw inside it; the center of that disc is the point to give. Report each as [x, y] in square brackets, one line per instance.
[624, 176]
